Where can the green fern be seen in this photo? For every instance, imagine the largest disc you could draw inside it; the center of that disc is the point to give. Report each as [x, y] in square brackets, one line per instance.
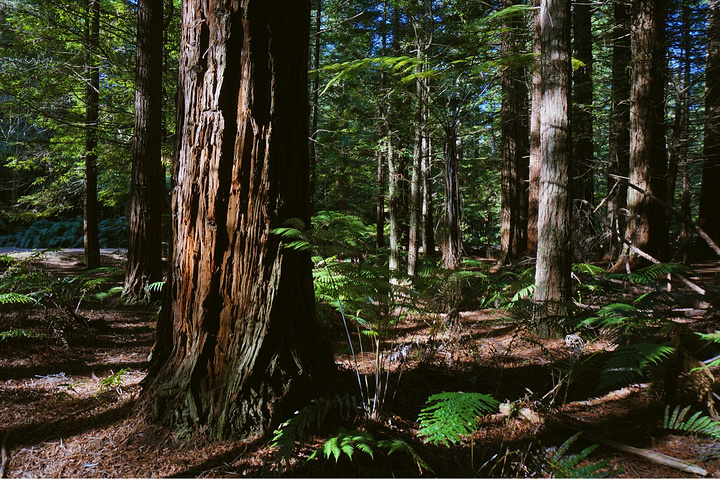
[21, 333]
[15, 298]
[628, 363]
[695, 424]
[449, 416]
[560, 464]
[294, 430]
[713, 338]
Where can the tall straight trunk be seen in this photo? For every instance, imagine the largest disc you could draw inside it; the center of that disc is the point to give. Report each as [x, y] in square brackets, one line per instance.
[709, 217]
[515, 143]
[92, 108]
[382, 149]
[619, 141]
[420, 140]
[583, 165]
[147, 192]
[315, 102]
[245, 350]
[647, 228]
[535, 118]
[453, 246]
[428, 224]
[554, 254]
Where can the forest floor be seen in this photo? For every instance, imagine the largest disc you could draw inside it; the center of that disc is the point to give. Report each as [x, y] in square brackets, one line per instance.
[70, 389]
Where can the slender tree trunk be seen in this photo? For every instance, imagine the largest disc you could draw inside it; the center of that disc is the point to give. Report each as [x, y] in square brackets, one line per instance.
[453, 246]
[245, 349]
[428, 226]
[315, 103]
[382, 149]
[92, 108]
[709, 217]
[582, 164]
[515, 144]
[535, 119]
[148, 178]
[619, 141]
[647, 228]
[554, 254]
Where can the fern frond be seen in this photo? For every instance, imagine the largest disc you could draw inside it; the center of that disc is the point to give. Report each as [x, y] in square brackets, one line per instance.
[698, 423]
[627, 363]
[558, 464]
[15, 298]
[449, 416]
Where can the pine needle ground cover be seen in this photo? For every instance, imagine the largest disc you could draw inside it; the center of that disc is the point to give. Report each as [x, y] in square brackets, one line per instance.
[515, 401]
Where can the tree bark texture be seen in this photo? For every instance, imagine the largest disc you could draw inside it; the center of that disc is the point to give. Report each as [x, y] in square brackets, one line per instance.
[709, 218]
[535, 118]
[244, 344]
[428, 224]
[619, 141]
[453, 246]
[91, 241]
[647, 228]
[515, 143]
[554, 254]
[583, 165]
[147, 193]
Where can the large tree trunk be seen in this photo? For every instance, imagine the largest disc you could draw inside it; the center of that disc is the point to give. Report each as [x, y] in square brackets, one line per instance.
[244, 344]
[535, 118]
[515, 143]
[92, 108]
[647, 227]
[709, 218]
[554, 254]
[582, 164]
[148, 178]
[453, 246]
[619, 141]
[315, 103]
[428, 224]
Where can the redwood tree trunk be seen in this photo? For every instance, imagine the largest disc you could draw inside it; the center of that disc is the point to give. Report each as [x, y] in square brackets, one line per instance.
[619, 141]
[535, 117]
[453, 241]
[148, 178]
[582, 165]
[245, 348]
[554, 254]
[709, 218]
[647, 228]
[92, 109]
[515, 144]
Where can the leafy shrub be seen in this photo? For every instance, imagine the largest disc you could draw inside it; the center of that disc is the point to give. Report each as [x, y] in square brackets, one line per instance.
[65, 233]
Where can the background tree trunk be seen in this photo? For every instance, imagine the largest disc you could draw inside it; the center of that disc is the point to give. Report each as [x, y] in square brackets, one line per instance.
[453, 241]
[92, 109]
[647, 228]
[554, 254]
[245, 348]
[515, 143]
[709, 218]
[583, 164]
[148, 178]
[619, 141]
[535, 118]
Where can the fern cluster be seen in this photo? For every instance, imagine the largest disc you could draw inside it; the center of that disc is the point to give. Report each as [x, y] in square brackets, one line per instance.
[448, 417]
[698, 423]
[558, 463]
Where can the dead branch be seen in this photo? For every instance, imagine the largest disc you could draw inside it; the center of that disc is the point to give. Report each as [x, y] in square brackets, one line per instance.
[675, 213]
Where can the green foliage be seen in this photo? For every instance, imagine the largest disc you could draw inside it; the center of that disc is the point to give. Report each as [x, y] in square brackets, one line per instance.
[713, 338]
[15, 298]
[293, 431]
[449, 416]
[114, 381]
[21, 333]
[629, 362]
[65, 233]
[558, 463]
[698, 423]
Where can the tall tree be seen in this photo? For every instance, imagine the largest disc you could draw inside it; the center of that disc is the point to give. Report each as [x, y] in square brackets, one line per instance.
[647, 229]
[619, 140]
[582, 167]
[554, 253]
[453, 243]
[244, 343]
[709, 217]
[515, 141]
[91, 240]
[535, 118]
[148, 177]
